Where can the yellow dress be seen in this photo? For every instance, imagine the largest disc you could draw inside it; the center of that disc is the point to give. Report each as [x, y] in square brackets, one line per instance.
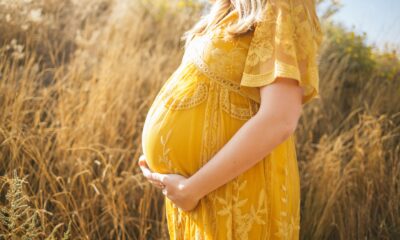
[213, 92]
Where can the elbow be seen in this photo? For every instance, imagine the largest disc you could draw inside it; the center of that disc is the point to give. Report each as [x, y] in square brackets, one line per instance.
[283, 125]
[289, 124]
[289, 128]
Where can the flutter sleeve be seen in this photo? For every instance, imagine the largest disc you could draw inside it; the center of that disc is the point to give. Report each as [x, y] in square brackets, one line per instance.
[285, 44]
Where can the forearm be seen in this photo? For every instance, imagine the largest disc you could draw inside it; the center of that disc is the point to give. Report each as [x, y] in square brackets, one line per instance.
[250, 144]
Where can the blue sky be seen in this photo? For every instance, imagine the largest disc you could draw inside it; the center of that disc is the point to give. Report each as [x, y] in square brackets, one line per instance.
[380, 19]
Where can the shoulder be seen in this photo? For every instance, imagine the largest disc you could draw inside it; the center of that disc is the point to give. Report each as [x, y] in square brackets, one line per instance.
[290, 15]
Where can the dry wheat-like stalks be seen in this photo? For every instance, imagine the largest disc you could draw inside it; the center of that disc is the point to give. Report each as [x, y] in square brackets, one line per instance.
[18, 219]
[75, 127]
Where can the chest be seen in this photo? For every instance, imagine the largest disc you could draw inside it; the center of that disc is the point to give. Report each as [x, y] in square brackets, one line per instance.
[222, 57]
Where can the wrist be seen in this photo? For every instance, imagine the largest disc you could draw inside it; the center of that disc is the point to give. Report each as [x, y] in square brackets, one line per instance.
[193, 190]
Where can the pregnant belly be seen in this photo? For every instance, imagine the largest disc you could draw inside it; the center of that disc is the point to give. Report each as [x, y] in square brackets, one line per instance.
[172, 136]
[172, 132]
[172, 140]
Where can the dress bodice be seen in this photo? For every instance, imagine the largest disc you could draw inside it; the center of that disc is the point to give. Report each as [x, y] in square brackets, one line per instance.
[284, 43]
[219, 59]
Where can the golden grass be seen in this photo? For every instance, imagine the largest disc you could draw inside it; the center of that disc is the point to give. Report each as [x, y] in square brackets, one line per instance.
[73, 105]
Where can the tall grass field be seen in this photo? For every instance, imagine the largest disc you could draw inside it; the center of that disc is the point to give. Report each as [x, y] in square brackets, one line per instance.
[77, 78]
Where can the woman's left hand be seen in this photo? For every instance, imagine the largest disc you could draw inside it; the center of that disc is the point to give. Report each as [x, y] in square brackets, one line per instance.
[176, 188]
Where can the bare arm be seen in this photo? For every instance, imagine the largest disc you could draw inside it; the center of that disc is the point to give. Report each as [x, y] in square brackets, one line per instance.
[276, 120]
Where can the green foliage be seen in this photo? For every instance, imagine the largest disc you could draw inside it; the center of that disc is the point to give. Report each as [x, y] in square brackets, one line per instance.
[349, 44]
[331, 9]
[388, 65]
[355, 72]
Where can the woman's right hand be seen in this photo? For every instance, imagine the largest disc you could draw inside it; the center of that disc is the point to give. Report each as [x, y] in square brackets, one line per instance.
[146, 172]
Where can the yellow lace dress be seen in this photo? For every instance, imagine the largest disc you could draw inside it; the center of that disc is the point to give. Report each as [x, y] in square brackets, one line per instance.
[213, 92]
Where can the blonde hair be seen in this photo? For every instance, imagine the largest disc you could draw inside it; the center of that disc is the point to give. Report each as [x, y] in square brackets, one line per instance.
[250, 12]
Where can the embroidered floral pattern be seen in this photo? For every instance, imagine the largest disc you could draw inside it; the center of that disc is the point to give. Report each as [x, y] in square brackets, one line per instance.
[214, 76]
[262, 47]
[191, 98]
[306, 41]
[211, 142]
[285, 44]
[242, 113]
[243, 221]
[225, 67]
[287, 223]
[165, 151]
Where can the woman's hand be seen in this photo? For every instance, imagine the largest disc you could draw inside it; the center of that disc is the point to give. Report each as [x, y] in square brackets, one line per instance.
[174, 186]
[146, 172]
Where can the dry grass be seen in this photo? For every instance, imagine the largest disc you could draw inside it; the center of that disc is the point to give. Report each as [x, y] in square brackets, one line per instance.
[74, 92]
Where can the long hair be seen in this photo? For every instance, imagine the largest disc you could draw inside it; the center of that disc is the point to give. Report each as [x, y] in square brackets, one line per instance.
[250, 12]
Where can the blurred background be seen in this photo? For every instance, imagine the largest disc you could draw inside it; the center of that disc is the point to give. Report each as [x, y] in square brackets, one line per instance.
[77, 78]
[379, 20]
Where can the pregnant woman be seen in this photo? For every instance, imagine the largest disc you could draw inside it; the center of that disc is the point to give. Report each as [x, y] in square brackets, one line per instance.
[219, 137]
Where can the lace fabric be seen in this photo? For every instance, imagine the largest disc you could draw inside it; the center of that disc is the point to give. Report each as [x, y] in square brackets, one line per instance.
[207, 100]
[285, 44]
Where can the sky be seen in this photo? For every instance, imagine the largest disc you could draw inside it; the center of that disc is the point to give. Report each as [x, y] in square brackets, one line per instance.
[379, 19]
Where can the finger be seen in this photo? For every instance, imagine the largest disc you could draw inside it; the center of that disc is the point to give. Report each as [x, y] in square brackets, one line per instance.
[157, 177]
[157, 185]
[144, 167]
[142, 163]
[164, 191]
[142, 160]
[146, 171]
[148, 174]
[154, 181]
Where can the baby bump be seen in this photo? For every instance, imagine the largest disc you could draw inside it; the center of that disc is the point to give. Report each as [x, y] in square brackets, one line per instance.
[172, 133]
